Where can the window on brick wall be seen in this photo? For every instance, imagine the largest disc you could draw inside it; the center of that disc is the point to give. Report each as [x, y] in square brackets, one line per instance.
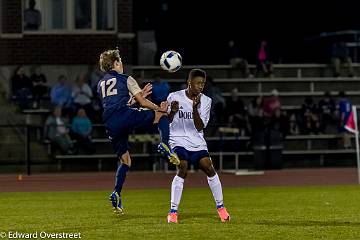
[83, 14]
[69, 16]
[105, 14]
[55, 14]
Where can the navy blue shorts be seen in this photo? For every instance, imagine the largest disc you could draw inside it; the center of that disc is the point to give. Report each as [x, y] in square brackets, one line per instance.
[122, 123]
[190, 156]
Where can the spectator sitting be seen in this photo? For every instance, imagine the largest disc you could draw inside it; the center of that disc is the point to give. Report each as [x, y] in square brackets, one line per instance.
[309, 116]
[327, 108]
[236, 113]
[256, 120]
[236, 60]
[32, 17]
[344, 107]
[340, 54]
[21, 87]
[81, 128]
[265, 64]
[160, 90]
[56, 131]
[39, 88]
[82, 95]
[256, 114]
[280, 122]
[271, 104]
[60, 95]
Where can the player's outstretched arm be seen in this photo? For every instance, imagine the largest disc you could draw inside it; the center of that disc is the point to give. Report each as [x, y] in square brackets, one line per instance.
[135, 90]
[147, 104]
[199, 125]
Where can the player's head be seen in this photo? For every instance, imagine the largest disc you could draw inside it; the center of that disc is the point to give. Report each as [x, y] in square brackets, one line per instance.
[196, 81]
[111, 60]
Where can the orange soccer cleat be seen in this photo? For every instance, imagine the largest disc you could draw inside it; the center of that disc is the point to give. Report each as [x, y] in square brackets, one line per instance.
[223, 214]
[172, 217]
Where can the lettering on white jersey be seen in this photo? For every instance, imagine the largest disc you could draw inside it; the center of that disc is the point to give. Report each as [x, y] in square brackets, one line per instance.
[185, 115]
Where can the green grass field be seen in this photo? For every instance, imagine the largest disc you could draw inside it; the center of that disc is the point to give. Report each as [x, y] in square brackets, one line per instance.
[257, 213]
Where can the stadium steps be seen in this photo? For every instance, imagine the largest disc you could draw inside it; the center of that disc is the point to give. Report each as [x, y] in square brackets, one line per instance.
[226, 71]
[13, 134]
[13, 151]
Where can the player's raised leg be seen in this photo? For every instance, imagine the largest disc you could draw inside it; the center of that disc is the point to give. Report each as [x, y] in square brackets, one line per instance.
[115, 197]
[205, 164]
[177, 186]
[162, 120]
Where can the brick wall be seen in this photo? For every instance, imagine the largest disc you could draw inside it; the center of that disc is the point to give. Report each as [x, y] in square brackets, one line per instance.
[60, 49]
[125, 10]
[11, 16]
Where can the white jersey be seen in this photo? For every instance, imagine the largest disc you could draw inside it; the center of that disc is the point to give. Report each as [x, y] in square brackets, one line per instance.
[183, 132]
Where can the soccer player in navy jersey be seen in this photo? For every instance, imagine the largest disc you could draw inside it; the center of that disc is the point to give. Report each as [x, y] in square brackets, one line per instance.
[117, 91]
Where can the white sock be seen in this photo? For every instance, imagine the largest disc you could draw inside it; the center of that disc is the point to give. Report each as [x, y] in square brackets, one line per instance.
[216, 189]
[177, 186]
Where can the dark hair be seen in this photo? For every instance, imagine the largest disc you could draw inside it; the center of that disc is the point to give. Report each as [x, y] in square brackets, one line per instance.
[32, 3]
[309, 100]
[196, 72]
[62, 77]
[107, 59]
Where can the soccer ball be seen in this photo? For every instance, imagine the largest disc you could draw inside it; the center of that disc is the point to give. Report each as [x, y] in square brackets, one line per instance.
[171, 61]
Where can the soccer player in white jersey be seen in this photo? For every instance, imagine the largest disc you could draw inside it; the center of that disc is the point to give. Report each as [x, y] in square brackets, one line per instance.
[189, 114]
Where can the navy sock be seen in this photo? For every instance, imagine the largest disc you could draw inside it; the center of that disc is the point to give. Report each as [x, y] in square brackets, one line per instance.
[173, 211]
[120, 176]
[164, 129]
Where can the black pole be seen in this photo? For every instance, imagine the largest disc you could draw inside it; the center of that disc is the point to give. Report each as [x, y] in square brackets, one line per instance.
[27, 149]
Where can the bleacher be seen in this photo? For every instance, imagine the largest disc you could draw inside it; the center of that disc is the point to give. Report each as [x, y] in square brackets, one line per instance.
[226, 71]
[293, 81]
[234, 150]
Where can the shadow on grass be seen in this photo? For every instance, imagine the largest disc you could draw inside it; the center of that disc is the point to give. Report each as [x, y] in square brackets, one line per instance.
[307, 223]
[182, 216]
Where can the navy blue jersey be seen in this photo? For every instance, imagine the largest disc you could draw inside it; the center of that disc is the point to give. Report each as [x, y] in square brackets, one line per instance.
[113, 92]
[120, 119]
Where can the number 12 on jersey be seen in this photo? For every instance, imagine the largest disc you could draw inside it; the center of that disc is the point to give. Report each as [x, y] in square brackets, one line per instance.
[108, 87]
